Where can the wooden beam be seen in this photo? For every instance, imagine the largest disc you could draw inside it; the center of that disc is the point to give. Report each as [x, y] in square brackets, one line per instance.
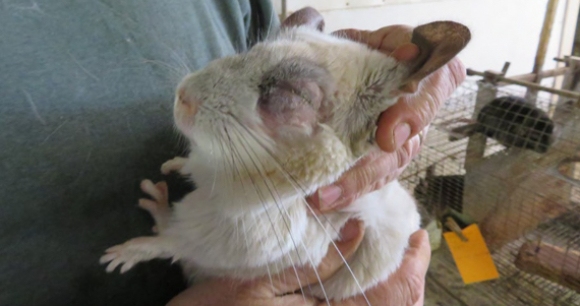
[498, 78]
[551, 262]
[529, 77]
[568, 34]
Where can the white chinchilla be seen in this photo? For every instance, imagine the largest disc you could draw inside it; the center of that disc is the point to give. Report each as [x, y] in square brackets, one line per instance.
[271, 126]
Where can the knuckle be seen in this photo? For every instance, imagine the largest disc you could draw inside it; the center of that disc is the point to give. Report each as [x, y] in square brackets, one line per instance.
[457, 71]
[364, 177]
[369, 175]
[415, 283]
[380, 184]
[403, 157]
[414, 146]
[360, 183]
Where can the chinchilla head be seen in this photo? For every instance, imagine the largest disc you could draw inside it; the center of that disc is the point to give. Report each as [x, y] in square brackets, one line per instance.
[300, 107]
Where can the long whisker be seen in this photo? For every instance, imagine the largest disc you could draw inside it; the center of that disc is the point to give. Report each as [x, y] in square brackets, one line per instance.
[229, 164]
[260, 195]
[232, 165]
[269, 217]
[166, 65]
[234, 171]
[296, 185]
[215, 167]
[288, 176]
[291, 179]
[180, 61]
[281, 209]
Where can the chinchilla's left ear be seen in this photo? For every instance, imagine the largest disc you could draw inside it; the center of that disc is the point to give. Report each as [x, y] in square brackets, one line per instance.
[438, 42]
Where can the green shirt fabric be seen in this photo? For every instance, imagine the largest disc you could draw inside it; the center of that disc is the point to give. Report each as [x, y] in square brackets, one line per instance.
[86, 94]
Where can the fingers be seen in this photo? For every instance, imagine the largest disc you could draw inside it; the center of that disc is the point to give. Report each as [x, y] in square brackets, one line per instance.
[406, 52]
[407, 285]
[413, 113]
[419, 252]
[357, 181]
[371, 173]
[411, 148]
[351, 236]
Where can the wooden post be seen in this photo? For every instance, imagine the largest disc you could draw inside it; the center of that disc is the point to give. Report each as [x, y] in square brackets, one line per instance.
[476, 144]
[543, 46]
[551, 262]
[568, 34]
[572, 75]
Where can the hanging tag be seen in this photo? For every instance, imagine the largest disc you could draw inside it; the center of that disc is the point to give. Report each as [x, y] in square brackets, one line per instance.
[472, 257]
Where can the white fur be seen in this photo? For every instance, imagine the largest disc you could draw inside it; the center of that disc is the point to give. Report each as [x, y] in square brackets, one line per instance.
[248, 216]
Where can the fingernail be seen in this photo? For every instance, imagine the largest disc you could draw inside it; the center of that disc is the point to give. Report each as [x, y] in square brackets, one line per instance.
[402, 133]
[328, 195]
[350, 231]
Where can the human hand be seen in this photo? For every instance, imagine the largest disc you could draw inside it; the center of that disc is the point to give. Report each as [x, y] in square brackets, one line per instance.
[280, 290]
[400, 126]
[404, 287]
[407, 285]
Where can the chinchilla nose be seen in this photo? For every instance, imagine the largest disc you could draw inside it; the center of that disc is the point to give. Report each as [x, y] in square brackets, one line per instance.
[185, 103]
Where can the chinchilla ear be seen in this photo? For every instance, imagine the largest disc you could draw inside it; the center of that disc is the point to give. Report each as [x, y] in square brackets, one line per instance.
[305, 17]
[438, 42]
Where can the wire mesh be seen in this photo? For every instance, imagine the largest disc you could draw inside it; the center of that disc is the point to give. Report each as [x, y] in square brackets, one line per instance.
[504, 169]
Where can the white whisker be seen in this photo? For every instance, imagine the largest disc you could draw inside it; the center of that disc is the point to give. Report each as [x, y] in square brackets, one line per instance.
[281, 209]
[234, 151]
[267, 211]
[175, 70]
[304, 193]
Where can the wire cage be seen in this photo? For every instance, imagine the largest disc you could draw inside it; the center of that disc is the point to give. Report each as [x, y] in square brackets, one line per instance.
[514, 173]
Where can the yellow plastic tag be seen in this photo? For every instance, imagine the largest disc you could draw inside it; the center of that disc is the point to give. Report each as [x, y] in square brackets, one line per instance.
[472, 257]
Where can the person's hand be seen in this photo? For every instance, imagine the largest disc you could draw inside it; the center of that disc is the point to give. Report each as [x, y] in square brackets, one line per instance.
[279, 290]
[407, 285]
[400, 126]
[404, 287]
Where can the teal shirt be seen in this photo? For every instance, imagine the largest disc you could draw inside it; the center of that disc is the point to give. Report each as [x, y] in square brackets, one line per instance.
[86, 93]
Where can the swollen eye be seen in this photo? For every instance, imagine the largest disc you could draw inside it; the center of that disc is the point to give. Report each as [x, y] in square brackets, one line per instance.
[287, 96]
[288, 103]
[280, 100]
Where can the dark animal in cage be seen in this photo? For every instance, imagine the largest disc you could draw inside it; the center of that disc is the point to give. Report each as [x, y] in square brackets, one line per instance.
[437, 194]
[513, 122]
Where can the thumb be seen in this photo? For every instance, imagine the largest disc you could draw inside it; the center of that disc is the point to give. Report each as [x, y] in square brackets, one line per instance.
[406, 286]
[294, 279]
[413, 113]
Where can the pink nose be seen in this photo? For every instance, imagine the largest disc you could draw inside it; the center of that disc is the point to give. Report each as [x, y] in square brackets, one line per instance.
[186, 103]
